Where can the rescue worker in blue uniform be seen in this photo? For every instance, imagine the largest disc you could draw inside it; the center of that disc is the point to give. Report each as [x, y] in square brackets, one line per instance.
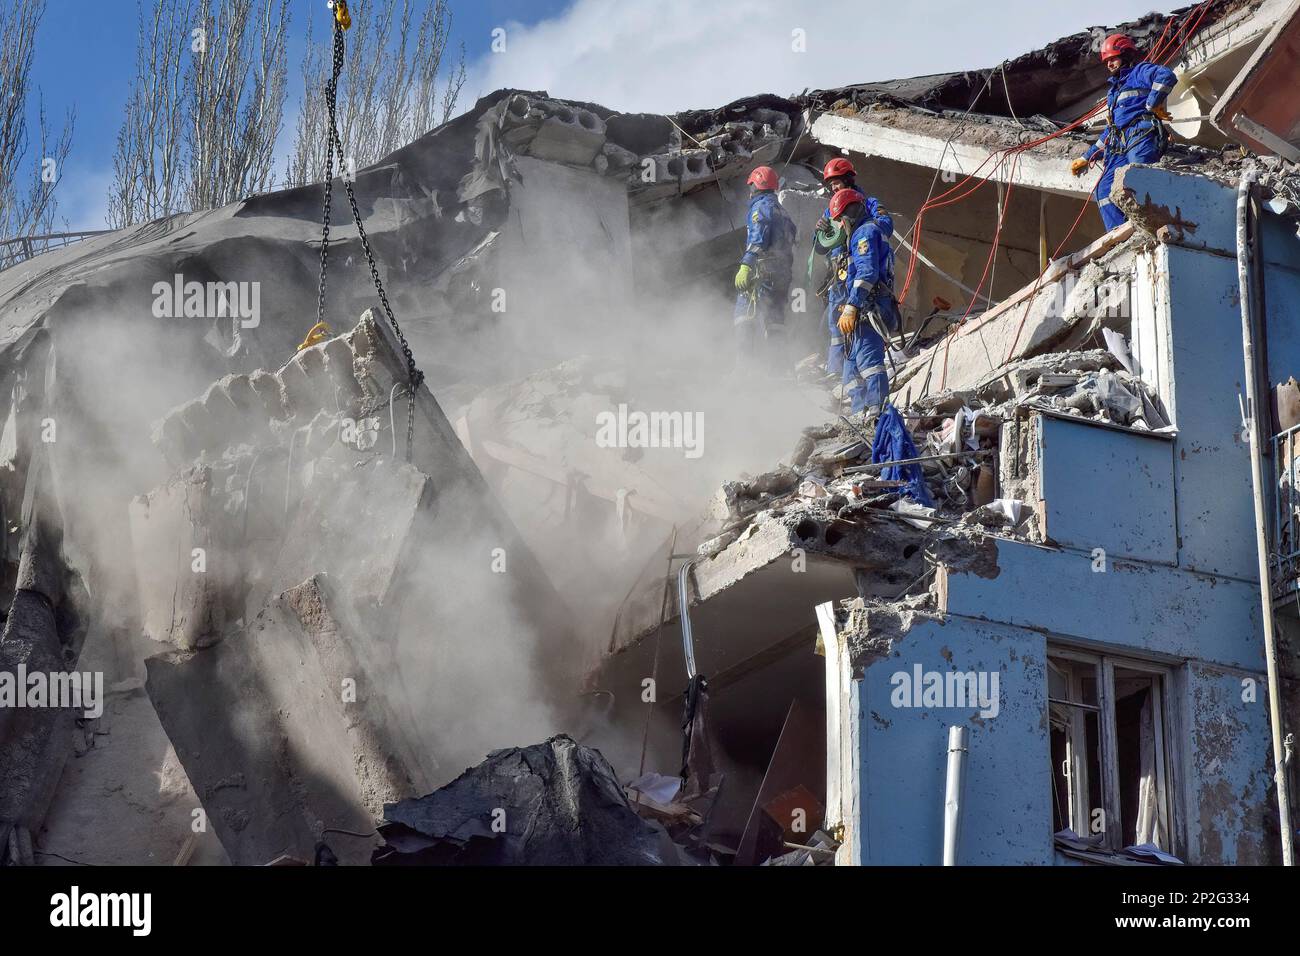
[832, 245]
[869, 308]
[763, 279]
[1134, 131]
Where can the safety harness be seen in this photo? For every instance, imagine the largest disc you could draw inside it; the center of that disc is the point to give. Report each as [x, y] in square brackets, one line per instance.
[1118, 143]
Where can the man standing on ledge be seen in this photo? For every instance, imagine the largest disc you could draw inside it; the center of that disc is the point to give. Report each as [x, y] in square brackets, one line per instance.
[1135, 108]
[763, 279]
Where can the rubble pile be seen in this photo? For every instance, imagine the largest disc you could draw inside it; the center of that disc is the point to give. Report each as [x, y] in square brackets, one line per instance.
[1092, 384]
[279, 562]
[959, 439]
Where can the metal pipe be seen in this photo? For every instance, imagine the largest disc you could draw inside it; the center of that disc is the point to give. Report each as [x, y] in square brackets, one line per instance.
[957, 282]
[952, 796]
[979, 453]
[1245, 280]
[1042, 232]
[684, 612]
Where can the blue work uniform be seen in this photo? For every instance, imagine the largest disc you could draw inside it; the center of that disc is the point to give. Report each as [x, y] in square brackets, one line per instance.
[769, 251]
[869, 287]
[837, 262]
[1133, 134]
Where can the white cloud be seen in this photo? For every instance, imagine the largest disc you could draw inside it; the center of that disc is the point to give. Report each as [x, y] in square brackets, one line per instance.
[669, 55]
[83, 197]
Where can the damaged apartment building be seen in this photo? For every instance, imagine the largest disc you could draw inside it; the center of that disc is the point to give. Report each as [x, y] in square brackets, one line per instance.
[318, 586]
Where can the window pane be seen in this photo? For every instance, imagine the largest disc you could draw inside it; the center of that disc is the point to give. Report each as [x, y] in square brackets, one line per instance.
[1139, 753]
[1075, 734]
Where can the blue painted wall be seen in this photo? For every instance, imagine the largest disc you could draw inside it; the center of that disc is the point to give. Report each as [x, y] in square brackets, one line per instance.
[903, 751]
[1108, 489]
[1179, 587]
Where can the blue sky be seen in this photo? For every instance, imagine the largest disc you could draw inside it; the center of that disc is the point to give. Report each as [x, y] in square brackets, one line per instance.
[85, 57]
[632, 55]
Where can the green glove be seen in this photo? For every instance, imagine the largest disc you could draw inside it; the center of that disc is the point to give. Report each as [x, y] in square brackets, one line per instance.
[744, 278]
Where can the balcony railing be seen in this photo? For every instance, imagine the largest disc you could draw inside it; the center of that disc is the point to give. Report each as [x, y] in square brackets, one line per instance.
[22, 248]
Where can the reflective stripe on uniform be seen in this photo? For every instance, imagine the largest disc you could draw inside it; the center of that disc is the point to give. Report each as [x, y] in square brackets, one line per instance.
[1104, 201]
[1162, 87]
[860, 378]
[1127, 93]
[837, 340]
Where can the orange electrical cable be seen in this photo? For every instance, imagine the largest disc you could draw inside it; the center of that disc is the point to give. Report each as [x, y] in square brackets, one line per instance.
[1164, 50]
[1015, 340]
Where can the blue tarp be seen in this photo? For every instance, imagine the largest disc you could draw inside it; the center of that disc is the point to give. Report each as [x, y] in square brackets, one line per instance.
[893, 443]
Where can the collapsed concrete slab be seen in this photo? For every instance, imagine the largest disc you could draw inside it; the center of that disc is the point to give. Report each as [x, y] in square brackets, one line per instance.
[759, 592]
[954, 145]
[288, 728]
[281, 695]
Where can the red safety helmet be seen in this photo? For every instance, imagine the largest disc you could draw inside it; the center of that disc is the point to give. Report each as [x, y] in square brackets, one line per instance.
[838, 168]
[763, 177]
[1117, 44]
[843, 199]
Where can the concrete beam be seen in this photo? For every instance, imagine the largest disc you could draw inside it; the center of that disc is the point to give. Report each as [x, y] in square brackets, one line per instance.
[285, 729]
[872, 136]
[754, 594]
[1026, 323]
[1179, 207]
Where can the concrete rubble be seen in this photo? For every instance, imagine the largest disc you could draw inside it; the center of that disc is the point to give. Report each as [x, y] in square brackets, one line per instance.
[306, 721]
[336, 592]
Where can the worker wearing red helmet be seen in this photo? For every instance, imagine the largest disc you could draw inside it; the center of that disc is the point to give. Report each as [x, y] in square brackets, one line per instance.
[838, 174]
[1134, 131]
[869, 307]
[763, 279]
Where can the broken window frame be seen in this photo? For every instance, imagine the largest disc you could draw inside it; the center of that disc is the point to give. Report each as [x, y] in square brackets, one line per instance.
[1166, 755]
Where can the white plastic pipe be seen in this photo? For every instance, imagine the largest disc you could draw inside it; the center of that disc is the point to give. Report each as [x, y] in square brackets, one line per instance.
[1257, 411]
[953, 794]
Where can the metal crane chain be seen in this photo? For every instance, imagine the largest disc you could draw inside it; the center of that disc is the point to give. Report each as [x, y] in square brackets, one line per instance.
[414, 376]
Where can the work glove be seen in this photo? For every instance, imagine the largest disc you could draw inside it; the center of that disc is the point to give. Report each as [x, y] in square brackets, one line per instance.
[823, 225]
[1161, 112]
[1079, 166]
[848, 319]
[744, 279]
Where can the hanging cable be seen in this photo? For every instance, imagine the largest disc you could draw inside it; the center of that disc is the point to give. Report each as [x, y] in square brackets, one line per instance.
[342, 20]
[971, 183]
[1164, 50]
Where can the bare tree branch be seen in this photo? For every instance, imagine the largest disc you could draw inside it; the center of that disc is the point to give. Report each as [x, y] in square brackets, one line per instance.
[205, 109]
[236, 82]
[389, 89]
[147, 168]
[28, 182]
